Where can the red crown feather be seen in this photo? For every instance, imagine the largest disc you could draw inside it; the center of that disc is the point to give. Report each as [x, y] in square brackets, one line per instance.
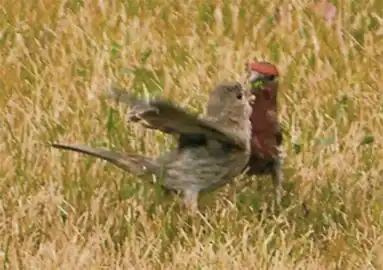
[264, 68]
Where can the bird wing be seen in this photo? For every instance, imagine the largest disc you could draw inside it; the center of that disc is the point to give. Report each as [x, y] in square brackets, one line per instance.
[170, 118]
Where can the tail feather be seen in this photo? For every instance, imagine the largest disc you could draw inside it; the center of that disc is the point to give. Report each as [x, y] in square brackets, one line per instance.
[136, 164]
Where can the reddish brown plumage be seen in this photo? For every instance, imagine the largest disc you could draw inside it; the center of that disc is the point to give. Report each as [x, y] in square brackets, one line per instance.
[265, 125]
[266, 142]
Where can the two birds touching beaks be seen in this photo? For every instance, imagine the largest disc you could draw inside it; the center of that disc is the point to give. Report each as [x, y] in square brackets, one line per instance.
[239, 132]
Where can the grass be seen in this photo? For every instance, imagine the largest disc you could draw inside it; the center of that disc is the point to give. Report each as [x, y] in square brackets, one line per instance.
[61, 210]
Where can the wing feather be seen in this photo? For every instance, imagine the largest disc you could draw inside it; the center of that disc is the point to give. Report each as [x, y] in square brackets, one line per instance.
[168, 117]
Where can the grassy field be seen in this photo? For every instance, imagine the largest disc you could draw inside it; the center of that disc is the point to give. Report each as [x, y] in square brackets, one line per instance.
[62, 210]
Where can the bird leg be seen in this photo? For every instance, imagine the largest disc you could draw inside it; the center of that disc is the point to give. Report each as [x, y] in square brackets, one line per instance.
[191, 200]
[277, 176]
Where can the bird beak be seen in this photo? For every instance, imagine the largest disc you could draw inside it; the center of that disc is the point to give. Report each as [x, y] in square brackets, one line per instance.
[251, 97]
[254, 76]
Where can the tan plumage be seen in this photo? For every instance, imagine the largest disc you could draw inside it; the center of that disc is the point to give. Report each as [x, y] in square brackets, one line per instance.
[212, 151]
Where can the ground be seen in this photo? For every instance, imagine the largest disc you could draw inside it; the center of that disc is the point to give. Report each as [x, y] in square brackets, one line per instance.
[61, 210]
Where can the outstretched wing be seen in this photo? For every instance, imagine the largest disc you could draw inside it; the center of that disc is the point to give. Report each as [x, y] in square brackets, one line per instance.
[168, 117]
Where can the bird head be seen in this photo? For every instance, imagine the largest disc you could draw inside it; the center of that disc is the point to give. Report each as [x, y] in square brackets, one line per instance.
[262, 78]
[261, 74]
[230, 99]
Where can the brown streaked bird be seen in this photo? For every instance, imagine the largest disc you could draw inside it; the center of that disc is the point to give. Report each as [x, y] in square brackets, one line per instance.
[267, 152]
[214, 149]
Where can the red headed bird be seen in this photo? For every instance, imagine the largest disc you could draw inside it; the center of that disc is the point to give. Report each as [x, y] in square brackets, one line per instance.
[266, 144]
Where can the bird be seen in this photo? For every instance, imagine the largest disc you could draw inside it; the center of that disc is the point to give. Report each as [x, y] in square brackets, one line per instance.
[267, 152]
[214, 148]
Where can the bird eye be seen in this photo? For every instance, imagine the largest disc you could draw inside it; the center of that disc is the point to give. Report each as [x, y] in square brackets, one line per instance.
[239, 96]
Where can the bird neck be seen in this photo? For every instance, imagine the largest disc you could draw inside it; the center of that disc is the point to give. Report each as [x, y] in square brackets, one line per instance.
[236, 123]
[267, 94]
[265, 109]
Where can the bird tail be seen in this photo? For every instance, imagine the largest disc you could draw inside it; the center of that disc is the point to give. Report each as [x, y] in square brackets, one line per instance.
[136, 164]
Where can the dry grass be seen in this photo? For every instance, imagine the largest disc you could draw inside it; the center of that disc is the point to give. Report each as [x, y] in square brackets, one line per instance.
[61, 210]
